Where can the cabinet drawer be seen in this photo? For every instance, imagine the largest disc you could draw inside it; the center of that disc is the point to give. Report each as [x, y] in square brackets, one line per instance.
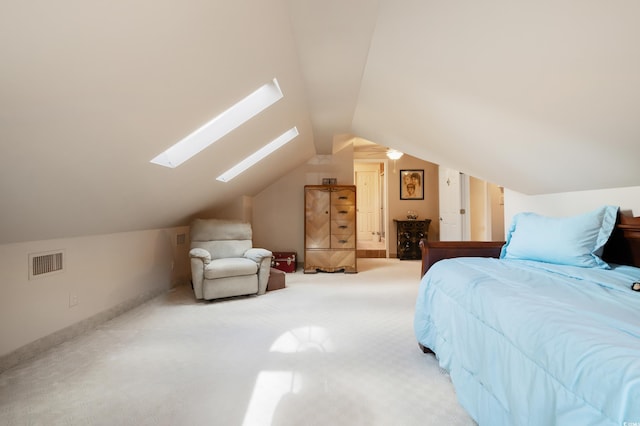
[342, 227]
[343, 241]
[418, 225]
[343, 196]
[343, 213]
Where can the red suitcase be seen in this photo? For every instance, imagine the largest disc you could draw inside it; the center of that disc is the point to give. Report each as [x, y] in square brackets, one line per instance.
[284, 261]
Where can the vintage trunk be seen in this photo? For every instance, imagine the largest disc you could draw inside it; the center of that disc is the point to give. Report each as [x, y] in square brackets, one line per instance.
[284, 261]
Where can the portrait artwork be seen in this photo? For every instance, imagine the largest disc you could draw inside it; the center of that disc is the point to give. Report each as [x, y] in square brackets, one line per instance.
[412, 184]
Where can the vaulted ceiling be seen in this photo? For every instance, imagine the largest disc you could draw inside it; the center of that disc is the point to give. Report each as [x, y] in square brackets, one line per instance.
[538, 96]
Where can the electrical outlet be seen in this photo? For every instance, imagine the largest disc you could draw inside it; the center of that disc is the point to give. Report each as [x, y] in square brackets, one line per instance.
[73, 299]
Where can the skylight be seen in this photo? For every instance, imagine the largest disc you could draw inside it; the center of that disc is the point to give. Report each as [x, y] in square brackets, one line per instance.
[278, 142]
[224, 123]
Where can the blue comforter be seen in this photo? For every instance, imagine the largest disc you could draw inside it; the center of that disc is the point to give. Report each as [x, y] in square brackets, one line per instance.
[530, 343]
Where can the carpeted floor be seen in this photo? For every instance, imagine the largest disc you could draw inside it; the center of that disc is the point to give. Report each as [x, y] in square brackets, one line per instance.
[330, 349]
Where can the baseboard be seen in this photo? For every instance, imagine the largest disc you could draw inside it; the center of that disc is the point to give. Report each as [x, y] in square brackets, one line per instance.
[33, 349]
[371, 254]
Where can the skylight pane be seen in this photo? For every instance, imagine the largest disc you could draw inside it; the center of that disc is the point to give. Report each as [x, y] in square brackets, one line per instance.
[281, 140]
[224, 123]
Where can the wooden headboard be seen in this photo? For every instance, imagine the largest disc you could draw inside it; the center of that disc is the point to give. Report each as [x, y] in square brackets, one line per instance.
[433, 251]
[622, 248]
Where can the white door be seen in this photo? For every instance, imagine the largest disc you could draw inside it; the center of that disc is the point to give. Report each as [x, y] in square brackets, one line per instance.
[450, 204]
[368, 201]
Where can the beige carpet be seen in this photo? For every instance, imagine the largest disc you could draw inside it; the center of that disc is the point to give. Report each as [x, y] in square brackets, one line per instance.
[330, 349]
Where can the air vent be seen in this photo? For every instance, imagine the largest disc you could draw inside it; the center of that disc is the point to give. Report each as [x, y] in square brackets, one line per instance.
[45, 264]
[180, 239]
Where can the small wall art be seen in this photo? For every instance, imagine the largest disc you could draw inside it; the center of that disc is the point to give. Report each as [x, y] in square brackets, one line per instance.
[412, 184]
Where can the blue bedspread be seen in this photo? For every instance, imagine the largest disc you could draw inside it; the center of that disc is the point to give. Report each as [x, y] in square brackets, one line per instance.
[529, 343]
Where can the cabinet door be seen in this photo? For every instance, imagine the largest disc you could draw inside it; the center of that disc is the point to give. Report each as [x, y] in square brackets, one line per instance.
[318, 219]
[420, 231]
[409, 234]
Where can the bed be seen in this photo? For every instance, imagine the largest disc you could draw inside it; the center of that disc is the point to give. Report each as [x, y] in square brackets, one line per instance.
[543, 329]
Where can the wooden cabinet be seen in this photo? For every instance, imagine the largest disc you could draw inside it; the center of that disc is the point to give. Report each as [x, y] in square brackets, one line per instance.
[409, 234]
[330, 228]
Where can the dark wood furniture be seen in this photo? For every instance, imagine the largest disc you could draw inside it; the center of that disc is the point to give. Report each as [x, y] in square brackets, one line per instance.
[624, 245]
[409, 234]
[622, 248]
[433, 251]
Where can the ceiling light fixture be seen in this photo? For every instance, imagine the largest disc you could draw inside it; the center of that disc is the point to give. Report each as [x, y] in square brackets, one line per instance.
[235, 116]
[394, 154]
[278, 142]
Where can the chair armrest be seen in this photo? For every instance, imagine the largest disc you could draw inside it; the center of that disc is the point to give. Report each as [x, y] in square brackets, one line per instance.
[257, 254]
[264, 270]
[433, 251]
[199, 258]
[263, 258]
[202, 254]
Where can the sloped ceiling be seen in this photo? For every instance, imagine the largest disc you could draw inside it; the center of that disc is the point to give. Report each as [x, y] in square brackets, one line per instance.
[537, 96]
[92, 91]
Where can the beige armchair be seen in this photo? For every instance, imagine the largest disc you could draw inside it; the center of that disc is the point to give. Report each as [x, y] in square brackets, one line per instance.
[223, 261]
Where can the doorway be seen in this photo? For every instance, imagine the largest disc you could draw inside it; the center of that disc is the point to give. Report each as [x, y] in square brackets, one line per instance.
[371, 207]
[470, 208]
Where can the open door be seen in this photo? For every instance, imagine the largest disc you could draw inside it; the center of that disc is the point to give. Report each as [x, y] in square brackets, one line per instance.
[368, 201]
[470, 208]
[371, 207]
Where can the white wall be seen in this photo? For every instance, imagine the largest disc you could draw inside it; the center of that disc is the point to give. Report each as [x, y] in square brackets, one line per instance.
[239, 209]
[571, 203]
[278, 211]
[102, 271]
[478, 209]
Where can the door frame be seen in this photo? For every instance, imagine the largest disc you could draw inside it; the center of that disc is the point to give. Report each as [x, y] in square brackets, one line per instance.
[384, 203]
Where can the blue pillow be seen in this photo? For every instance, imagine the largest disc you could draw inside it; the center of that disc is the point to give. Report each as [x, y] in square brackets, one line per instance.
[576, 240]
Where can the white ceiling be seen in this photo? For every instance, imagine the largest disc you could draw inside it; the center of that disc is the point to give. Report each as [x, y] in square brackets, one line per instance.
[538, 96]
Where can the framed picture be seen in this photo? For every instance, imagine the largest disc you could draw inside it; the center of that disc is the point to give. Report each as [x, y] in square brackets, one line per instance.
[329, 181]
[412, 184]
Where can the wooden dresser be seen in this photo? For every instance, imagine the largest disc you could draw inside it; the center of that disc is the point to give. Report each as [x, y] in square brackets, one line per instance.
[330, 228]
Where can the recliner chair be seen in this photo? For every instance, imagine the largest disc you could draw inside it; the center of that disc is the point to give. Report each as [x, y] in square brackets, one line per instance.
[224, 262]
